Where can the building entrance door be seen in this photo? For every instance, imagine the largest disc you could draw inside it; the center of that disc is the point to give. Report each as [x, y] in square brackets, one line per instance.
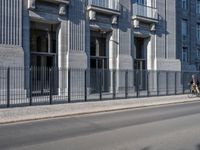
[43, 47]
[140, 62]
[98, 62]
[41, 67]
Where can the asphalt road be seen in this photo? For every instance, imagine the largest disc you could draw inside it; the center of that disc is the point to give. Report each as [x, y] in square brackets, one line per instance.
[172, 127]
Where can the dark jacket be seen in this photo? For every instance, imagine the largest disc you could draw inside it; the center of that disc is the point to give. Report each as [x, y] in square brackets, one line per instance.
[197, 82]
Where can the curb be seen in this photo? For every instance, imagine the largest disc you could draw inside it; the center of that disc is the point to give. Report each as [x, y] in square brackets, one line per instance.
[25, 114]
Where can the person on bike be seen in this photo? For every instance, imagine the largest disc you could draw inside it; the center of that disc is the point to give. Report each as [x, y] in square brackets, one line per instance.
[195, 84]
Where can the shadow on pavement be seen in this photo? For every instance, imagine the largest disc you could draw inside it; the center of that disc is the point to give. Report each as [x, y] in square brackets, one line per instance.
[146, 148]
[198, 147]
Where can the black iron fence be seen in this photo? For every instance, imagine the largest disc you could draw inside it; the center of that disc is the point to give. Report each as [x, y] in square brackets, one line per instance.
[42, 85]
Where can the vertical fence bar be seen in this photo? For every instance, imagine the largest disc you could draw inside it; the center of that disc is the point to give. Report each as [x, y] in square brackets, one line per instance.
[148, 84]
[167, 81]
[100, 85]
[183, 82]
[69, 86]
[175, 86]
[42, 79]
[85, 87]
[126, 84]
[137, 83]
[30, 86]
[158, 83]
[114, 84]
[50, 84]
[8, 87]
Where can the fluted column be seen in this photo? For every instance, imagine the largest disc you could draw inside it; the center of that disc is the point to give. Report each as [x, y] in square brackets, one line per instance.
[11, 22]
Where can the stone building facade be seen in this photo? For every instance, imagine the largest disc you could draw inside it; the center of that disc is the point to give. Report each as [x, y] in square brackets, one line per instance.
[94, 34]
[111, 34]
[188, 34]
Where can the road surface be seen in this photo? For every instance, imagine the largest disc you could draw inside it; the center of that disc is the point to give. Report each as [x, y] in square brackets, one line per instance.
[172, 127]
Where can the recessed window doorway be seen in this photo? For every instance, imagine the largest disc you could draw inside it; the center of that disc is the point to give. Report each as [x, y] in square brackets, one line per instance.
[43, 55]
[98, 60]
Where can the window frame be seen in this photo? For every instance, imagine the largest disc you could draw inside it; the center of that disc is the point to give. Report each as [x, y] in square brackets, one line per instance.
[184, 27]
[184, 4]
[184, 54]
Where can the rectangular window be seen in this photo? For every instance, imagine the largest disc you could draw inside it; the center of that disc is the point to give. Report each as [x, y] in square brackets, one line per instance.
[142, 2]
[150, 3]
[198, 32]
[185, 54]
[185, 4]
[198, 67]
[184, 28]
[198, 52]
[198, 7]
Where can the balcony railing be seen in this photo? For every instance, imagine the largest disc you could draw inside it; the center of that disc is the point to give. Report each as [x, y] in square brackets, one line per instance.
[144, 11]
[109, 4]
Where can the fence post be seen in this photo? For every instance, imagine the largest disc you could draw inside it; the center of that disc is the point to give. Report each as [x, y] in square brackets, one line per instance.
[126, 84]
[183, 82]
[30, 85]
[148, 84]
[51, 80]
[175, 83]
[167, 80]
[42, 71]
[100, 85]
[114, 84]
[137, 82]
[8, 87]
[69, 85]
[85, 87]
[157, 83]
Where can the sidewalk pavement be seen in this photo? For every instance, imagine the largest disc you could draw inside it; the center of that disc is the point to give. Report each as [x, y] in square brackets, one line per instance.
[20, 114]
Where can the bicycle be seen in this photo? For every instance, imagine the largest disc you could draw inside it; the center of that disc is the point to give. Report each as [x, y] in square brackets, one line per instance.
[193, 92]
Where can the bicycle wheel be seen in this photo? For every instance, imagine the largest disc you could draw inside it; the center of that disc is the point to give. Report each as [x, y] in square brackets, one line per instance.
[191, 94]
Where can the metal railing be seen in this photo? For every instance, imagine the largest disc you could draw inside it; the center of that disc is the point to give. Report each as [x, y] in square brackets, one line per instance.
[42, 85]
[144, 11]
[109, 4]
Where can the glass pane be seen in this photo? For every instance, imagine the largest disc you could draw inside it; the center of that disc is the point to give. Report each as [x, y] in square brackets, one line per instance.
[102, 46]
[139, 44]
[93, 46]
[100, 63]
[54, 43]
[50, 61]
[42, 42]
[93, 63]
[38, 41]
[105, 63]
[43, 37]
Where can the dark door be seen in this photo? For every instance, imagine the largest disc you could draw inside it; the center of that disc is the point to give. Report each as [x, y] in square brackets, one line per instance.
[98, 62]
[43, 47]
[140, 63]
[42, 66]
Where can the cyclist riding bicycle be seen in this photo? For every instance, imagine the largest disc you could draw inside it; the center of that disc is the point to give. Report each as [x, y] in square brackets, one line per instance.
[195, 84]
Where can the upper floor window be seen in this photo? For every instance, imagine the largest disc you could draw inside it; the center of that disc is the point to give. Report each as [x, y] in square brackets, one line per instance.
[184, 28]
[198, 52]
[108, 4]
[198, 6]
[142, 2]
[150, 3]
[185, 4]
[198, 32]
[185, 54]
